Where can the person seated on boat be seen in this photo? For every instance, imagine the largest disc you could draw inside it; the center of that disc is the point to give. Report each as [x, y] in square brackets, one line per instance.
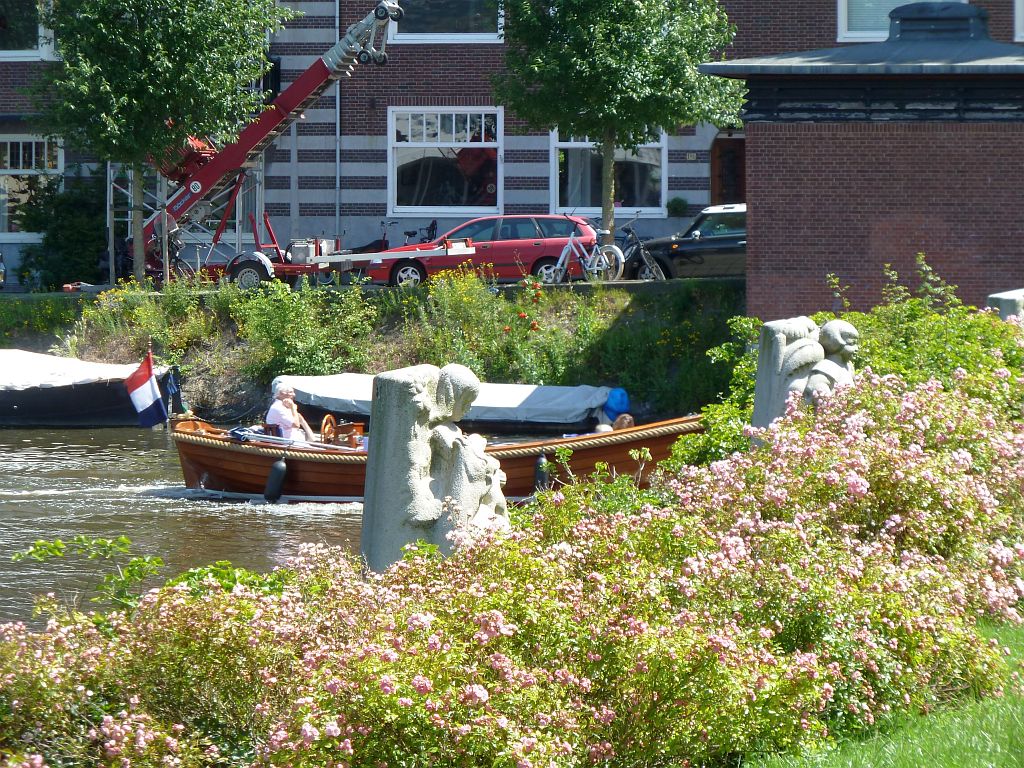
[284, 415]
[623, 421]
[616, 405]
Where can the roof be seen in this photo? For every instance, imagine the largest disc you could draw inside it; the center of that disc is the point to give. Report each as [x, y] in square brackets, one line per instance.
[924, 39]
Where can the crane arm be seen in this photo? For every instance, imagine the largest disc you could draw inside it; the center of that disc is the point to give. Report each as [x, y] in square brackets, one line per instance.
[203, 172]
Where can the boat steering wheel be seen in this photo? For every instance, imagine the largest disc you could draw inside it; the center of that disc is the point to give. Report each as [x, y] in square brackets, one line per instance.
[328, 429]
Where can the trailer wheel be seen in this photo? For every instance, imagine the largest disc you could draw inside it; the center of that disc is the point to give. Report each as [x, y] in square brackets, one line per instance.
[408, 273]
[249, 275]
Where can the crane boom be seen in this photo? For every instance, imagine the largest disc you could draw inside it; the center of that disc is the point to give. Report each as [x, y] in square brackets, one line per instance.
[203, 171]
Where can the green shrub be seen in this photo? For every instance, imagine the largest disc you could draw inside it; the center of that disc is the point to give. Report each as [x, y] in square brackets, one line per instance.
[35, 314]
[305, 332]
[69, 211]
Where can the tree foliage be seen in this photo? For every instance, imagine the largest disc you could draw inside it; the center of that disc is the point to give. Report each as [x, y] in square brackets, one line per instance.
[618, 71]
[138, 77]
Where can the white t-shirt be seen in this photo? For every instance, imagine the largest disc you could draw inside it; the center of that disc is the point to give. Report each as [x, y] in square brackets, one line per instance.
[281, 416]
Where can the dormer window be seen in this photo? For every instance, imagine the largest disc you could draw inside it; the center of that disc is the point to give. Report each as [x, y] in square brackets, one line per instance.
[866, 20]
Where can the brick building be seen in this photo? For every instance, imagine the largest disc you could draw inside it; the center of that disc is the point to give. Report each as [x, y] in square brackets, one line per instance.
[867, 155]
[382, 144]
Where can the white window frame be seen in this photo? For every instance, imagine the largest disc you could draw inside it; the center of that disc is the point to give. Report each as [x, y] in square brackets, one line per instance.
[1018, 21]
[555, 144]
[440, 211]
[43, 52]
[29, 237]
[395, 34]
[844, 34]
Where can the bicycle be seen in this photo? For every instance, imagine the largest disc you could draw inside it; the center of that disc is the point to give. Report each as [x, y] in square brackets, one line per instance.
[429, 233]
[635, 250]
[602, 263]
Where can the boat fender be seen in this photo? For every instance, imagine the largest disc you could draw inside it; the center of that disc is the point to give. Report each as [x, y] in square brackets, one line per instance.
[275, 480]
[542, 473]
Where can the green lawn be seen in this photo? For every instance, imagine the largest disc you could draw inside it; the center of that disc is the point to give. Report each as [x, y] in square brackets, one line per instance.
[985, 734]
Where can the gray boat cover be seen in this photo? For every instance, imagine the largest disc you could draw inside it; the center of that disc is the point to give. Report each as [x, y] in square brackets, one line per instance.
[351, 393]
[20, 370]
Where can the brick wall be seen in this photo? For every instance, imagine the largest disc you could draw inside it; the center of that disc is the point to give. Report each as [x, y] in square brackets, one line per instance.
[849, 198]
[14, 77]
[764, 28]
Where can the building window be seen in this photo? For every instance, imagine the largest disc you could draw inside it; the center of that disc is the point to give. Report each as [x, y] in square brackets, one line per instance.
[576, 177]
[445, 161]
[22, 159]
[865, 20]
[449, 21]
[21, 37]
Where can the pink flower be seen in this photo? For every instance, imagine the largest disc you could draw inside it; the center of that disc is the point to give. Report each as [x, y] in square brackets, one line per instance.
[309, 733]
[421, 620]
[474, 695]
[422, 684]
[387, 684]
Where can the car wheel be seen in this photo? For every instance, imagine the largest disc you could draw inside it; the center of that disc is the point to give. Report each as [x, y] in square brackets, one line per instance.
[408, 273]
[249, 275]
[545, 270]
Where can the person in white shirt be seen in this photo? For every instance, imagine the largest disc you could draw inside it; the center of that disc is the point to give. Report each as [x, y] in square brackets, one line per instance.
[285, 415]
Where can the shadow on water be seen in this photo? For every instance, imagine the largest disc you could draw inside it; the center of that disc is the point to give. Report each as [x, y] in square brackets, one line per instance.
[112, 482]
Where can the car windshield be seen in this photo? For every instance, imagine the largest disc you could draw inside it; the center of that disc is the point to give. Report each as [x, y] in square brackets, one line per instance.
[717, 224]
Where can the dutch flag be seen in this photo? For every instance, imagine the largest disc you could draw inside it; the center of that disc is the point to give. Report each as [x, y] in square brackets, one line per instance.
[145, 394]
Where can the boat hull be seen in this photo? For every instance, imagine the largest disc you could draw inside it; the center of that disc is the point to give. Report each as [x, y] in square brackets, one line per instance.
[93, 404]
[213, 460]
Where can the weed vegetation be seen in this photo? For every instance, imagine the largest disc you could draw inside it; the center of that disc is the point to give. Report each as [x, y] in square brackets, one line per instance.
[230, 344]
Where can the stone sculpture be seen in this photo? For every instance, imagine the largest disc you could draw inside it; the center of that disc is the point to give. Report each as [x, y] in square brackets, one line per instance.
[425, 478]
[795, 356]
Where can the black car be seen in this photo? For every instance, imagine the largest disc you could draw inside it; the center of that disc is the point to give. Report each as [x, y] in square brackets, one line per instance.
[715, 245]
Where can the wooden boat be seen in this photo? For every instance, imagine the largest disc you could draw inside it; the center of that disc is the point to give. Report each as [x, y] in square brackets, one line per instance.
[231, 462]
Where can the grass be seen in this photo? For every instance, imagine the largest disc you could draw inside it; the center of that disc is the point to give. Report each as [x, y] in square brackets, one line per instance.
[982, 734]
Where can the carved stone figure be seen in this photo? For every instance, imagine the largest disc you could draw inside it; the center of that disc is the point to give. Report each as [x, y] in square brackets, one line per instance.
[424, 477]
[794, 355]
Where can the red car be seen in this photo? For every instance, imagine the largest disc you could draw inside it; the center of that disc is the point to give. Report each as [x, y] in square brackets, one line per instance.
[507, 248]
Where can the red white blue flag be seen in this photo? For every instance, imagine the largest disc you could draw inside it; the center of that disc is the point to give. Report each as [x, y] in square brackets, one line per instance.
[145, 394]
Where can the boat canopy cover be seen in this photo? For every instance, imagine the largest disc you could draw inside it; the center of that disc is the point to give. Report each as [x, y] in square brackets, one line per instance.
[20, 370]
[351, 393]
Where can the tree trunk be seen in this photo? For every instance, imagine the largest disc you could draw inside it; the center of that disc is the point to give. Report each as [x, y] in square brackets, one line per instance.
[608, 184]
[138, 203]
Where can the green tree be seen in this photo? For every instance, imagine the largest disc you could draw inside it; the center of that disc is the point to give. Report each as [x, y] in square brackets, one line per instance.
[616, 71]
[136, 78]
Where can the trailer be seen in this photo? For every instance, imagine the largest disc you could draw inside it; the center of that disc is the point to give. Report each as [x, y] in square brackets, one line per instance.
[202, 171]
[318, 259]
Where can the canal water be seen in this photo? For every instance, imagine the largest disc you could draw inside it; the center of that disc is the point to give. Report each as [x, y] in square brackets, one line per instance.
[110, 482]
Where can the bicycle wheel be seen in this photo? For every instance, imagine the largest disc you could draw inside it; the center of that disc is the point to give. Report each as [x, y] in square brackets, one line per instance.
[607, 264]
[650, 269]
[181, 268]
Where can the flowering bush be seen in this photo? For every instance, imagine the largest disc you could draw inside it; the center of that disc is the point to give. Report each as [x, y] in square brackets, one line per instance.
[918, 335]
[802, 591]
